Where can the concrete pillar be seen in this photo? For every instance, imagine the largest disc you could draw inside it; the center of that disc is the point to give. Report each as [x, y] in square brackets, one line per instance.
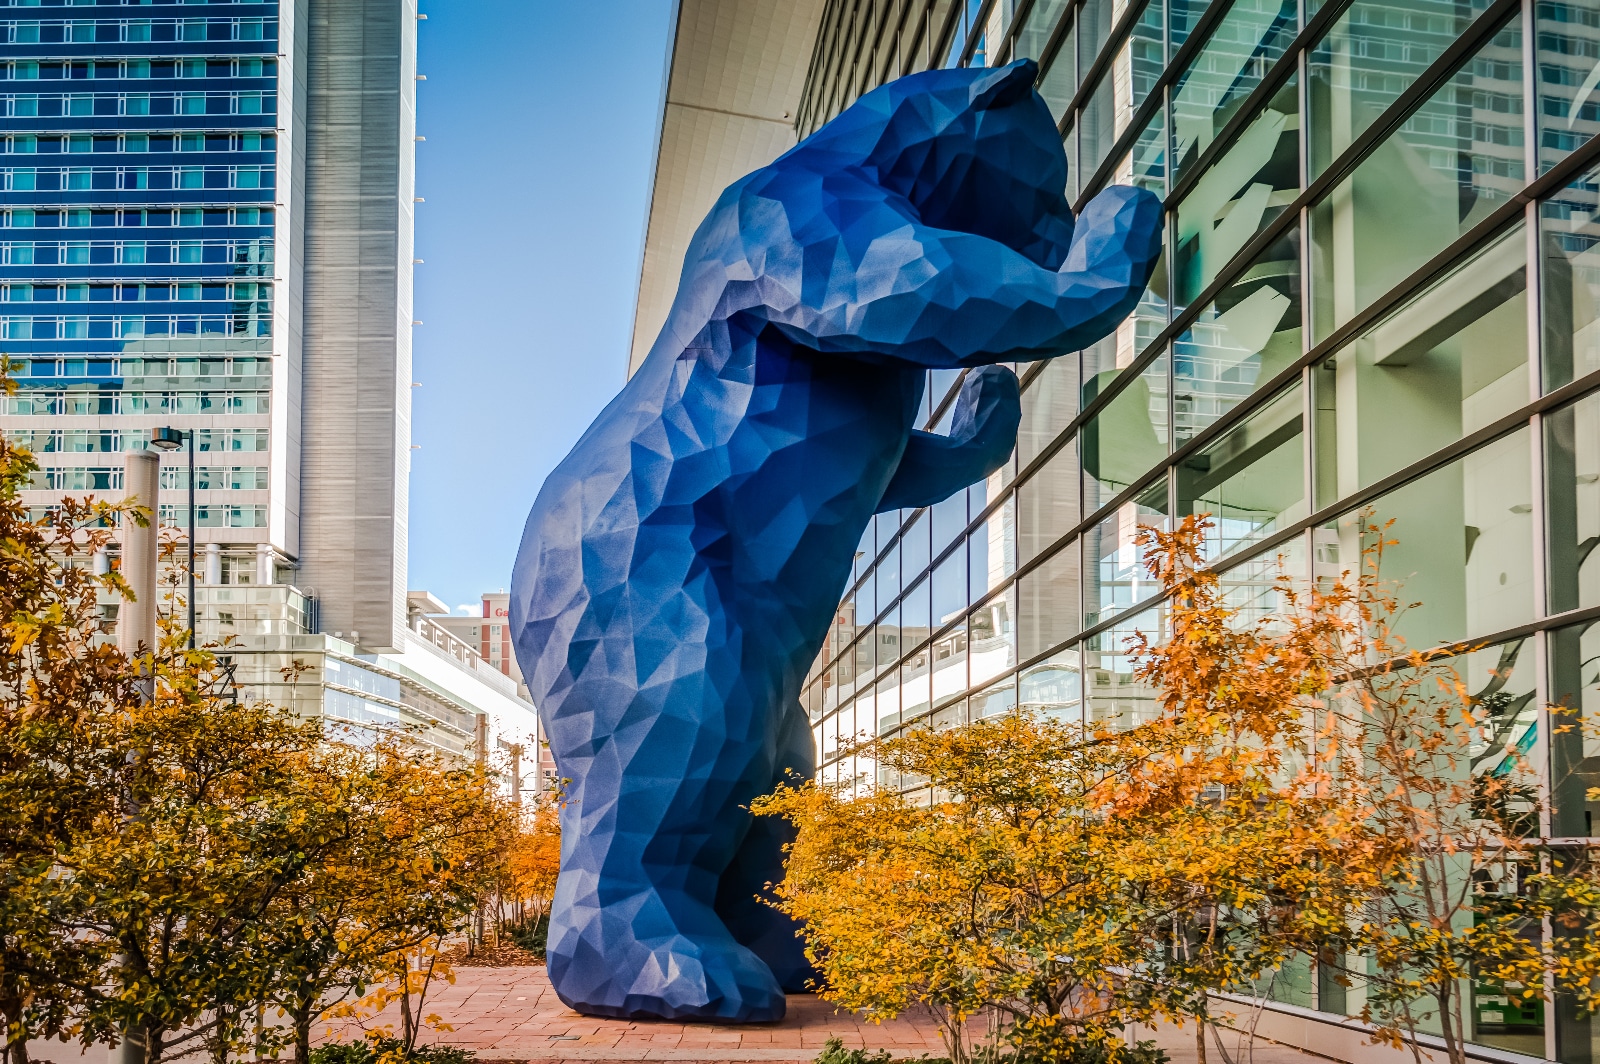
[263, 563]
[213, 571]
[136, 620]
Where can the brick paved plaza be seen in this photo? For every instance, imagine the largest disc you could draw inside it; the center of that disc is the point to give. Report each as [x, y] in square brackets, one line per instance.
[512, 1014]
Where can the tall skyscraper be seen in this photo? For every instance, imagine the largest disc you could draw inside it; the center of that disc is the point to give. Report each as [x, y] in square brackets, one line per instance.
[206, 222]
[1380, 291]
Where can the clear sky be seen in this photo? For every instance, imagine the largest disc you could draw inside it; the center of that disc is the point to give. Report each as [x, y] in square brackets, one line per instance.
[540, 119]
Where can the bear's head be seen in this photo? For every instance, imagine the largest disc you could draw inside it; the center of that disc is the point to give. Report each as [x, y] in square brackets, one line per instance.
[973, 150]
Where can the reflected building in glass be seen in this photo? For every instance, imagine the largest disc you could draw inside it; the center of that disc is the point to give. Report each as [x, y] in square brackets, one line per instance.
[1381, 293]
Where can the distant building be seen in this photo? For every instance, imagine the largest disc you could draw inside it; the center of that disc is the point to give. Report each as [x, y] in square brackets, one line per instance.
[206, 217]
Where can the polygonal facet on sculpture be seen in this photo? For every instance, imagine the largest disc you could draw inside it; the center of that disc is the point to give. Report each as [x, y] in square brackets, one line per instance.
[682, 565]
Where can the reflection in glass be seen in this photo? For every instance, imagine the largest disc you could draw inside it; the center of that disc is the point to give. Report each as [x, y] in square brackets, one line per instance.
[992, 638]
[1145, 164]
[1049, 404]
[1115, 697]
[1465, 545]
[1568, 234]
[1247, 336]
[1575, 730]
[1123, 86]
[1095, 19]
[1251, 480]
[1059, 83]
[992, 548]
[1240, 194]
[1568, 62]
[1047, 603]
[948, 653]
[1047, 503]
[1572, 503]
[915, 699]
[1433, 179]
[1450, 361]
[1248, 41]
[1255, 587]
[1037, 28]
[1372, 54]
[1054, 688]
[1116, 574]
[950, 587]
[996, 699]
[1127, 438]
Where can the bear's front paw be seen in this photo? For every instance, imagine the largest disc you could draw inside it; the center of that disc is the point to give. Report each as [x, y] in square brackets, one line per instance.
[988, 411]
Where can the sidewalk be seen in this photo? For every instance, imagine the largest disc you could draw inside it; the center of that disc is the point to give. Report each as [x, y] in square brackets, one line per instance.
[512, 1014]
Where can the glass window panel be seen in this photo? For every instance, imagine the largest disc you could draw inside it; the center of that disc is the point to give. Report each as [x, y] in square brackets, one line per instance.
[1047, 503]
[1255, 588]
[1116, 577]
[888, 576]
[1049, 404]
[1572, 503]
[1145, 164]
[1569, 232]
[887, 703]
[1239, 195]
[914, 689]
[1372, 54]
[950, 587]
[1465, 545]
[1060, 80]
[949, 657]
[914, 618]
[1124, 85]
[865, 550]
[995, 699]
[1054, 688]
[914, 546]
[1048, 603]
[1575, 739]
[1246, 44]
[1115, 697]
[992, 549]
[1037, 28]
[1128, 438]
[866, 601]
[1568, 64]
[1447, 363]
[1251, 480]
[1436, 177]
[1183, 16]
[888, 637]
[1247, 336]
[993, 638]
[948, 520]
[1095, 19]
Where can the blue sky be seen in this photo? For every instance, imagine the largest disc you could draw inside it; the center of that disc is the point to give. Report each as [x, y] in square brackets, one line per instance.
[540, 122]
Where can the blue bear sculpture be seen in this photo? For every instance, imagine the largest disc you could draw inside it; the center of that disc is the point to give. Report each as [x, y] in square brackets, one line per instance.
[681, 567]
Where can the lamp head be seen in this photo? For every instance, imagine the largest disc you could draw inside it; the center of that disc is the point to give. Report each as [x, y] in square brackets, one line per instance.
[167, 438]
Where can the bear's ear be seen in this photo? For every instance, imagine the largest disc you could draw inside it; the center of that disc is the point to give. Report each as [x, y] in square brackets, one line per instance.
[1004, 85]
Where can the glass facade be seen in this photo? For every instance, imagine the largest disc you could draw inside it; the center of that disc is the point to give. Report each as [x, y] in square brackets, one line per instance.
[1380, 293]
[139, 182]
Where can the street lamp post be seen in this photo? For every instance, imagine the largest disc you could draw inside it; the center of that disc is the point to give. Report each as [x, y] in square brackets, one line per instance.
[168, 439]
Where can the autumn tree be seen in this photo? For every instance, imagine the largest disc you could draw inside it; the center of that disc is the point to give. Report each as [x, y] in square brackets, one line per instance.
[62, 686]
[423, 841]
[1301, 793]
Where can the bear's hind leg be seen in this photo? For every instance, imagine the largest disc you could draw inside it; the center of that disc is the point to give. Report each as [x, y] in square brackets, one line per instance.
[651, 823]
[758, 864]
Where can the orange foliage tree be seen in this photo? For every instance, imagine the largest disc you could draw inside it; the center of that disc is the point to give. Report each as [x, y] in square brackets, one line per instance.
[1294, 793]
